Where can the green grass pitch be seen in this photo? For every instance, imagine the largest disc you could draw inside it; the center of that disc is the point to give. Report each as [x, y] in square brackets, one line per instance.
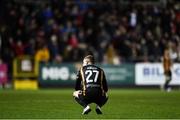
[59, 103]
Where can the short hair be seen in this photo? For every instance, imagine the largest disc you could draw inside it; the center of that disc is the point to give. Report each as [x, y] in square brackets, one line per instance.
[90, 58]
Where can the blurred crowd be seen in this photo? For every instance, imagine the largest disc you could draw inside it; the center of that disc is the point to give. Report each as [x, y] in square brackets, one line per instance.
[67, 30]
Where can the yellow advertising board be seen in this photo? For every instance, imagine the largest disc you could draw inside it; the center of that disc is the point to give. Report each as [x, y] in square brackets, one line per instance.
[25, 73]
[25, 84]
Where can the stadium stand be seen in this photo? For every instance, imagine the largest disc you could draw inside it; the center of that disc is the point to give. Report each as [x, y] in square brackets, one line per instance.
[114, 31]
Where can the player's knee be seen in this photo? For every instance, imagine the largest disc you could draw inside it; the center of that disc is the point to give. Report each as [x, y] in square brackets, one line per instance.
[105, 100]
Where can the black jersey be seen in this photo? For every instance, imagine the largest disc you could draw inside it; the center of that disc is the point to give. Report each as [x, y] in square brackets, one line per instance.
[91, 76]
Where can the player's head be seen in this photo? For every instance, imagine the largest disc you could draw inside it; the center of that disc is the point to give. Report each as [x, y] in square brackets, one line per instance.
[166, 53]
[88, 60]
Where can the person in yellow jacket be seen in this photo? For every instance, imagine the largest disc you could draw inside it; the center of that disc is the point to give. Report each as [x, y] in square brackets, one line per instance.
[42, 55]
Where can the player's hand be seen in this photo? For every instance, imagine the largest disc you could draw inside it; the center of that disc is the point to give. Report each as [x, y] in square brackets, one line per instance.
[77, 93]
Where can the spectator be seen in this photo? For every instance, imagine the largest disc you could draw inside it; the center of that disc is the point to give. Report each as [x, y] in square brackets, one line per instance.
[18, 48]
[42, 55]
[136, 31]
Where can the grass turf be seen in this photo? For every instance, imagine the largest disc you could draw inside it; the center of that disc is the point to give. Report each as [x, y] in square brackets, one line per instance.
[122, 103]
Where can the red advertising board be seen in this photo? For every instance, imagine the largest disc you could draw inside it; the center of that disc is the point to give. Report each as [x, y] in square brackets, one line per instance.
[3, 73]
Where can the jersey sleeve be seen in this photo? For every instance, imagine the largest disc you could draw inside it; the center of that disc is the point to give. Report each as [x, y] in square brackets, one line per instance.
[105, 87]
[78, 81]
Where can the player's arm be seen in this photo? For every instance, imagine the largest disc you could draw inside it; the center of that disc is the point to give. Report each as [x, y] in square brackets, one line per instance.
[105, 87]
[78, 81]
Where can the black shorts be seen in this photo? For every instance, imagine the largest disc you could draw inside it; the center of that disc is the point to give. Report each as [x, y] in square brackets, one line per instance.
[168, 74]
[94, 95]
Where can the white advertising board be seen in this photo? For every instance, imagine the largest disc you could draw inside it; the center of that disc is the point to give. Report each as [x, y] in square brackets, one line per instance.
[153, 74]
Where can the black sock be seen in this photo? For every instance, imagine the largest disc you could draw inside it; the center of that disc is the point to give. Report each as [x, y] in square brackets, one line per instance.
[166, 85]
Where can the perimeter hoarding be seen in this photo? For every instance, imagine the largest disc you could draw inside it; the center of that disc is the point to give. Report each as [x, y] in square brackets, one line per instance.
[57, 74]
[119, 74]
[65, 74]
[25, 72]
[153, 74]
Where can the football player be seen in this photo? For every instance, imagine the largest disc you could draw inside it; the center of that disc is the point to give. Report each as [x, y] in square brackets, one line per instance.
[91, 86]
[167, 64]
